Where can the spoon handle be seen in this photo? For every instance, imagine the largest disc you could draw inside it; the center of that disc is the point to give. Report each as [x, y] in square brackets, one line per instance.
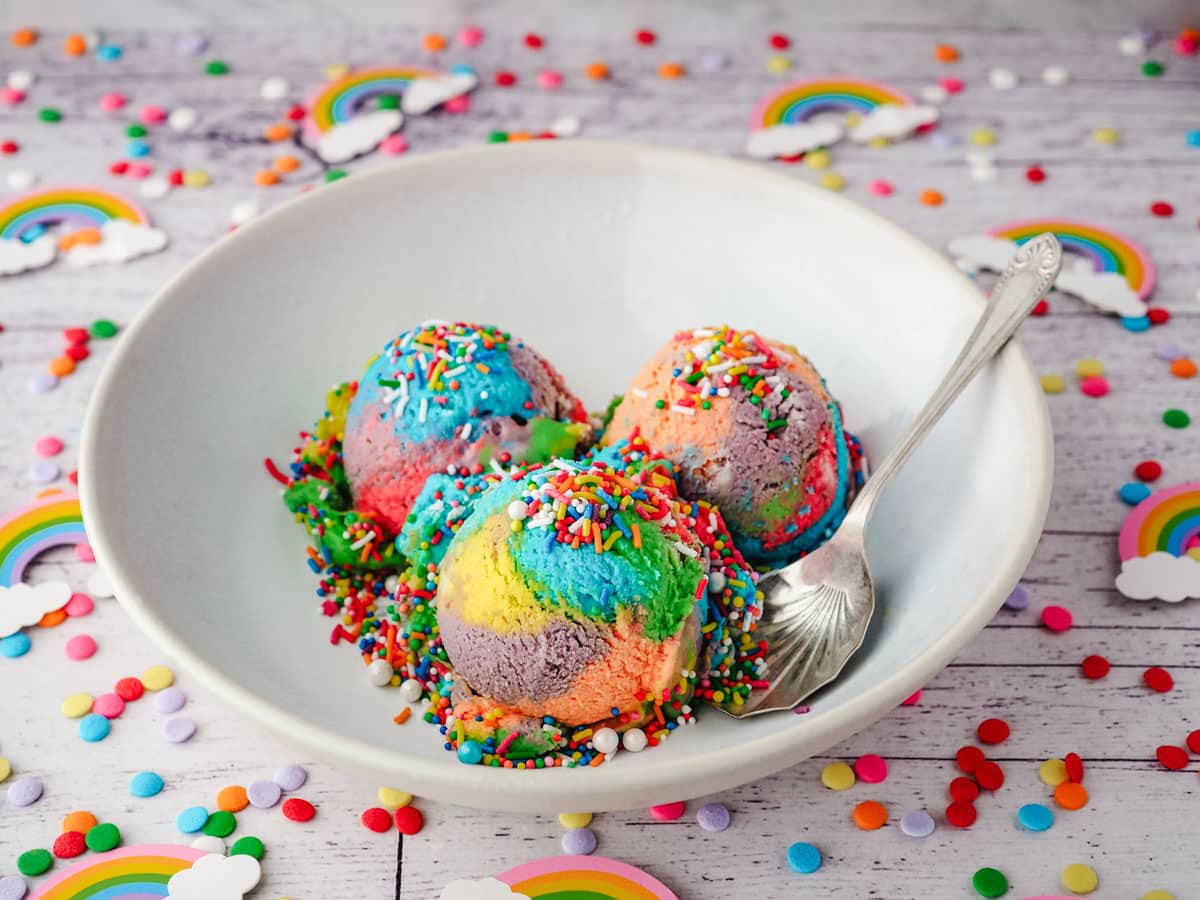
[1025, 280]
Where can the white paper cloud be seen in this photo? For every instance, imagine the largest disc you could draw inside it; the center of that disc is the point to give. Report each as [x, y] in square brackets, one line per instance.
[1107, 291]
[890, 120]
[790, 140]
[120, 241]
[17, 256]
[423, 94]
[483, 889]
[1160, 576]
[359, 135]
[215, 877]
[25, 604]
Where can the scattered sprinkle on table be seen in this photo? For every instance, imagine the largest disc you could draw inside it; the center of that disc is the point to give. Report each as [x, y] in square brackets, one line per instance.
[579, 842]
[94, 727]
[1162, 209]
[130, 689]
[963, 789]
[299, 810]
[1094, 667]
[871, 768]
[804, 859]
[1018, 598]
[409, 820]
[25, 791]
[263, 794]
[968, 759]
[870, 815]
[222, 823]
[1133, 492]
[170, 700]
[671, 70]
[80, 820]
[1094, 386]
[1035, 817]
[102, 838]
[1080, 879]
[1176, 418]
[1106, 135]
[111, 706]
[1056, 618]
[1172, 757]
[1158, 679]
[1074, 767]
[930, 197]
[713, 817]
[946, 53]
[961, 814]
[989, 775]
[1071, 795]
[392, 799]
[80, 647]
[566, 820]
[13, 887]
[1148, 470]
[667, 812]
[291, 778]
[69, 845]
[838, 776]
[146, 784]
[917, 823]
[179, 729]
[989, 882]
[216, 67]
[157, 678]
[32, 863]
[232, 799]
[248, 846]
[376, 819]
[1183, 368]
[993, 731]
[192, 820]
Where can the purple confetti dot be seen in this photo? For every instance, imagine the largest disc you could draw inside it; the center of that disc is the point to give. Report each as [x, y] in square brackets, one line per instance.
[1018, 599]
[716, 61]
[170, 700]
[13, 887]
[25, 791]
[291, 778]
[191, 44]
[44, 471]
[917, 823]
[1169, 353]
[713, 817]
[942, 139]
[1149, 36]
[43, 382]
[179, 729]
[263, 794]
[579, 842]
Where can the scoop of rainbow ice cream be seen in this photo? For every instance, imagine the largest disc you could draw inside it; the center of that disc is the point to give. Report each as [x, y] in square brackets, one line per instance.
[754, 430]
[452, 395]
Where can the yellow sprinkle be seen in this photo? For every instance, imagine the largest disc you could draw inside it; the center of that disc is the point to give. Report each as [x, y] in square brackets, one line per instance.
[1053, 772]
[832, 181]
[878, 142]
[392, 799]
[196, 178]
[1106, 135]
[1158, 895]
[838, 776]
[77, 705]
[1088, 367]
[335, 71]
[1053, 384]
[156, 678]
[5, 769]
[778, 64]
[574, 820]
[983, 137]
[1080, 879]
[817, 159]
[853, 119]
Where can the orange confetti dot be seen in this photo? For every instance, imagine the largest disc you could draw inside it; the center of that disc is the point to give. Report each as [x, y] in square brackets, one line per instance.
[233, 798]
[79, 821]
[434, 43]
[266, 178]
[597, 71]
[52, 619]
[278, 132]
[931, 197]
[671, 70]
[1070, 795]
[870, 815]
[66, 242]
[520, 136]
[945, 53]
[61, 365]
[285, 163]
[87, 236]
[1183, 368]
[24, 37]
[75, 45]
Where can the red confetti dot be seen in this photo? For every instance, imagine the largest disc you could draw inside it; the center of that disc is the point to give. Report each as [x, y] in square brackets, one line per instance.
[989, 775]
[1171, 757]
[1193, 741]
[645, 36]
[779, 41]
[1162, 208]
[1148, 470]
[1157, 315]
[533, 41]
[1158, 679]
[69, 844]
[1094, 385]
[1056, 618]
[175, 177]
[9, 147]
[119, 168]
[969, 758]
[77, 352]
[1035, 174]
[1040, 308]
[993, 731]
[377, 819]
[76, 335]
[1074, 766]
[298, 810]
[1094, 667]
[296, 113]
[961, 815]
[963, 790]
[409, 820]
[130, 689]
[505, 79]
[912, 699]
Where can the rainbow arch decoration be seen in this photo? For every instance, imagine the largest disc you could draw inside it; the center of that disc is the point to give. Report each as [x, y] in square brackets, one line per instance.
[1107, 250]
[1167, 521]
[54, 520]
[584, 878]
[26, 216]
[130, 873]
[339, 100]
[801, 100]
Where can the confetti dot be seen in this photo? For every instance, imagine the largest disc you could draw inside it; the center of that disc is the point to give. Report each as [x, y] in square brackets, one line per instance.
[44, 471]
[80, 647]
[804, 859]
[1171, 757]
[1193, 742]
[1135, 324]
[178, 730]
[961, 815]
[1133, 492]
[579, 842]
[1106, 135]
[15, 645]
[434, 43]
[299, 810]
[209, 844]
[1035, 175]
[1003, 79]
[129, 689]
[1162, 209]
[220, 824]
[871, 768]
[1152, 68]
[597, 71]
[993, 731]
[290, 778]
[192, 819]
[5, 769]
[968, 759]
[392, 799]
[75, 45]
[989, 882]
[645, 37]
[1158, 679]
[1074, 767]
[170, 700]
[80, 820]
[263, 794]
[1158, 895]
[216, 67]
[1071, 795]
[94, 727]
[713, 817]
[248, 846]
[870, 815]
[917, 823]
[880, 188]
[102, 838]
[1176, 418]
[69, 845]
[392, 145]
[1148, 470]
[838, 776]
[1041, 308]
[934, 94]
[13, 887]
[1094, 667]
[232, 799]
[470, 36]
[77, 705]
[912, 699]
[156, 678]
[1183, 368]
[1056, 618]
[409, 820]
[24, 37]
[818, 159]
[832, 181]
[983, 137]
[32, 863]
[963, 790]
[182, 118]
[1080, 879]
[504, 79]
[1018, 598]
[930, 197]
[671, 70]
[1035, 817]
[946, 53]
[667, 812]
[25, 791]
[1056, 76]
[989, 775]
[146, 784]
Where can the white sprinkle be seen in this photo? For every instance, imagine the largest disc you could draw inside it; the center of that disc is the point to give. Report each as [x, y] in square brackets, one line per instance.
[20, 79]
[566, 126]
[935, 94]
[21, 179]
[984, 174]
[466, 432]
[686, 410]
[363, 541]
[182, 118]
[638, 392]
[451, 373]
[243, 212]
[323, 493]
[685, 549]
[1056, 76]
[1003, 79]
[423, 409]
[274, 88]
[1131, 44]
[154, 187]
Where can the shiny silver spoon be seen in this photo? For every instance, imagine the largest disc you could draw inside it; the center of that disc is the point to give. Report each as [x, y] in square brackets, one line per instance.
[816, 610]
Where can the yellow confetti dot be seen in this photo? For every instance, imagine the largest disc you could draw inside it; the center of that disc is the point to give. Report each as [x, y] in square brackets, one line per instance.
[1053, 772]
[156, 678]
[574, 820]
[853, 119]
[335, 71]
[5, 769]
[1194, 553]
[1089, 367]
[1080, 879]
[778, 64]
[983, 137]
[1158, 895]
[878, 142]
[1053, 384]
[818, 159]
[1106, 135]
[390, 798]
[832, 181]
[837, 776]
[77, 705]
[196, 178]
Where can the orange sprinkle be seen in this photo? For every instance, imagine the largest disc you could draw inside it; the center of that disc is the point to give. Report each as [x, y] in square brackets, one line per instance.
[945, 53]
[596, 760]
[870, 815]
[930, 197]
[278, 132]
[79, 821]
[24, 37]
[285, 163]
[1071, 795]
[52, 618]
[401, 717]
[671, 70]
[66, 242]
[434, 43]
[87, 236]
[266, 178]
[1183, 368]
[597, 71]
[75, 45]
[233, 798]
[520, 136]
[61, 365]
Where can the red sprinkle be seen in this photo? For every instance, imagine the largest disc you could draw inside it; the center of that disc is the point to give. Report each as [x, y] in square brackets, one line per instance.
[77, 352]
[1094, 667]
[1035, 174]
[377, 819]
[296, 113]
[1171, 757]
[409, 820]
[9, 147]
[1074, 767]
[779, 41]
[273, 470]
[76, 335]
[1094, 385]
[1193, 741]
[645, 36]
[1056, 618]
[505, 79]
[969, 758]
[989, 775]
[130, 689]
[1158, 679]
[119, 168]
[993, 731]
[1162, 208]
[175, 177]
[961, 815]
[69, 844]
[963, 790]
[1157, 315]
[298, 810]
[534, 41]
[1040, 308]
[1148, 470]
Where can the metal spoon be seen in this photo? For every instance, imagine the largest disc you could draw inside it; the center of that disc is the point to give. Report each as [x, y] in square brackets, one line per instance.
[816, 610]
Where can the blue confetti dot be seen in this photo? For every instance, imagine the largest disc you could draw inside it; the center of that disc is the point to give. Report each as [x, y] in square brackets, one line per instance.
[1136, 323]
[804, 858]
[1133, 492]
[146, 784]
[192, 819]
[462, 69]
[470, 753]
[15, 645]
[1193, 137]
[94, 727]
[1035, 817]
[136, 149]
[109, 52]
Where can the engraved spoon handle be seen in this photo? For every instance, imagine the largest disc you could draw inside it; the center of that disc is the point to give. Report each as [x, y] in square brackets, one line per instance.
[1024, 281]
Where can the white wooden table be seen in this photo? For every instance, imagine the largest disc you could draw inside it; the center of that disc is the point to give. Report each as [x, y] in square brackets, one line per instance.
[1137, 831]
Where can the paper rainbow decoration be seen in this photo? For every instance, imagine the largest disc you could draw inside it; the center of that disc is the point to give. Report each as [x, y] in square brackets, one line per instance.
[1107, 250]
[130, 873]
[340, 99]
[82, 206]
[838, 94]
[52, 521]
[1165, 522]
[584, 878]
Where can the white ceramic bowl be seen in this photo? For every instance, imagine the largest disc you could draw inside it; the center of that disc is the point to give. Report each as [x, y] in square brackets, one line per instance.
[594, 253]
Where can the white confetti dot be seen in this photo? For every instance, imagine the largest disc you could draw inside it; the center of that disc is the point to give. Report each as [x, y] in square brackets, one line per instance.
[20, 79]
[274, 88]
[1056, 76]
[154, 187]
[935, 94]
[1003, 79]
[980, 158]
[243, 212]
[98, 585]
[209, 844]
[566, 126]
[21, 179]
[182, 118]
[1132, 44]
[984, 174]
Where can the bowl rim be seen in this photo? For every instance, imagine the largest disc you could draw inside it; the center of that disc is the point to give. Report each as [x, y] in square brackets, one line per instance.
[475, 785]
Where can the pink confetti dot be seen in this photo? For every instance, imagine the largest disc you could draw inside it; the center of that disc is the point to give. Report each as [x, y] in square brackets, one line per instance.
[880, 188]
[11, 96]
[47, 446]
[138, 170]
[912, 700]
[112, 101]
[871, 768]
[80, 647]
[470, 36]
[667, 812]
[1094, 385]
[84, 553]
[393, 145]
[952, 85]
[550, 79]
[108, 705]
[79, 605]
[1056, 618]
[152, 115]
[457, 104]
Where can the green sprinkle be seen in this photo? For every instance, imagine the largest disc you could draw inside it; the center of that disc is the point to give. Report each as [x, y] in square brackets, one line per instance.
[135, 131]
[498, 137]
[776, 423]
[388, 101]
[220, 824]
[103, 328]
[660, 404]
[49, 114]
[388, 382]
[707, 404]
[34, 862]
[103, 837]
[216, 67]
[1176, 418]
[990, 882]
[247, 846]
[335, 175]
[1152, 68]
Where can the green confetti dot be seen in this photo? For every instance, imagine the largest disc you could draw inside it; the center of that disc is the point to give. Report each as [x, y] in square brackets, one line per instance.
[335, 175]
[220, 824]
[216, 67]
[103, 837]
[49, 114]
[1152, 68]
[1176, 418]
[103, 328]
[990, 883]
[247, 846]
[135, 131]
[34, 862]
[498, 137]
[388, 101]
